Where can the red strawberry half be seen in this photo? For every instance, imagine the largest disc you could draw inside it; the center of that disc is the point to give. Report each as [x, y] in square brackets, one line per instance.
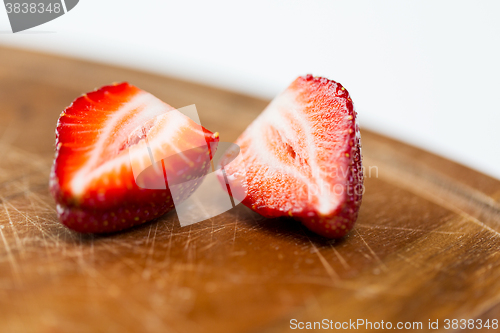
[302, 158]
[104, 140]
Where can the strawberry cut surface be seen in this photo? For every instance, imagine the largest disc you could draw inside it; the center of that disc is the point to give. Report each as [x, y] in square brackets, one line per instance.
[302, 158]
[103, 140]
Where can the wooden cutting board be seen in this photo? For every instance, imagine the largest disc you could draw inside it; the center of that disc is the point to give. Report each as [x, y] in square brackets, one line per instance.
[425, 247]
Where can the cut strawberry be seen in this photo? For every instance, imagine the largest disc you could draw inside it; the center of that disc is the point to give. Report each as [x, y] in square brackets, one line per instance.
[302, 158]
[104, 140]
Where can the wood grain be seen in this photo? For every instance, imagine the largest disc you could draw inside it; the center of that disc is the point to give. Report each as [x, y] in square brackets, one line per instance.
[426, 244]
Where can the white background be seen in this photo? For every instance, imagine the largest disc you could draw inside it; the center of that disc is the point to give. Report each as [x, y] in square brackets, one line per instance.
[425, 72]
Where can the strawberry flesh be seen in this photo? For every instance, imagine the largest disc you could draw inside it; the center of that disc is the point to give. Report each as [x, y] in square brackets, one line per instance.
[302, 158]
[101, 137]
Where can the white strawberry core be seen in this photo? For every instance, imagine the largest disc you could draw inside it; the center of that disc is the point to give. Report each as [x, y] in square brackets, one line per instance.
[107, 156]
[289, 121]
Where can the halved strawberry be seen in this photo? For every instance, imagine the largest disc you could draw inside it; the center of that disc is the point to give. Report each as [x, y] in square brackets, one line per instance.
[302, 158]
[104, 141]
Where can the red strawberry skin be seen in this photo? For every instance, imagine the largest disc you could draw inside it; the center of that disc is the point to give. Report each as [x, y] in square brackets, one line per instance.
[302, 158]
[92, 178]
